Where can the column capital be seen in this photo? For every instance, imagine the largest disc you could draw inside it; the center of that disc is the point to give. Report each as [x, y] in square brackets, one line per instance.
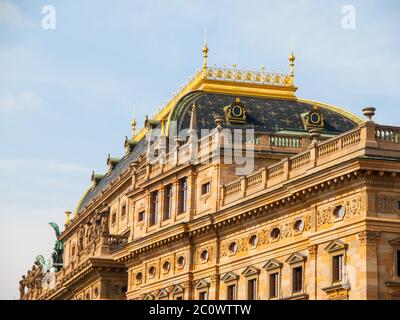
[312, 251]
[368, 237]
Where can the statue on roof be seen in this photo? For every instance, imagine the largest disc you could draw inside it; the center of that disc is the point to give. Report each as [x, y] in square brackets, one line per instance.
[57, 255]
[43, 263]
[22, 285]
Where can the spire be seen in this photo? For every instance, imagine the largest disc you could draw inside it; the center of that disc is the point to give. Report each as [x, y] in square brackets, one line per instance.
[193, 119]
[133, 124]
[291, 64]
[205, 51]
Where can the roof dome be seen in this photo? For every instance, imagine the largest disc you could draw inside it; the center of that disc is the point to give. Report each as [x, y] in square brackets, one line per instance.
[269, 115]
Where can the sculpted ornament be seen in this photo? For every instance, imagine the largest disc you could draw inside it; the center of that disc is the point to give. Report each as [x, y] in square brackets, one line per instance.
[286, 230]
[324, 217]
[368, 237]
[307, 222]
[262, 237]
[81, 237]
[353, 207]
[224, 249]
[243, 245]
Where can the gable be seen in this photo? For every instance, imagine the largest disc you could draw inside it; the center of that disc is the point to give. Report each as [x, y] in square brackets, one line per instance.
[296, 257]
[336, 245]
[249, 271]
[202, 284]
[229, 277]
[272, 264]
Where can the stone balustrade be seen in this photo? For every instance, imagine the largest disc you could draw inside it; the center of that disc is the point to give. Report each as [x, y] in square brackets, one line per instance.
[358, 142]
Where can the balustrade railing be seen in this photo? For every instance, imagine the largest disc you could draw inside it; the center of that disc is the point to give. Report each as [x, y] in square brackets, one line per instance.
[276, 170]
[340, 146]
[300, 160]
[285, 141]
[116, 241]
[254, 180]
[387, 134]
[256, 77]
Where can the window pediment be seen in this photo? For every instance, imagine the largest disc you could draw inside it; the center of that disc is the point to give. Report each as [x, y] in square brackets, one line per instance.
[202, 284]
[163, 293]
[336, 245]
[249, 271]
[229, 277]
[148, 297]
[272, 264]
[395, 242]
[296, 257]
[177, 289]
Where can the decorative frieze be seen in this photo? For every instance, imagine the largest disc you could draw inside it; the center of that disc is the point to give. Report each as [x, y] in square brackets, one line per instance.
[353, 207]
[324, 216]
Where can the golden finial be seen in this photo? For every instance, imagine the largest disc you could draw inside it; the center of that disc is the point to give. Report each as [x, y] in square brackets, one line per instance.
[133, 124]
[291, 60]
[205, 50]
[68, 215]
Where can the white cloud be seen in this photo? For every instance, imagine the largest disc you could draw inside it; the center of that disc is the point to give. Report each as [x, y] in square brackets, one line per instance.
[25, 100]
[11, 15]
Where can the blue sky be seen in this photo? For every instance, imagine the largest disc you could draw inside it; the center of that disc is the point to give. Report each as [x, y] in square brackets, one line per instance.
[67, 95]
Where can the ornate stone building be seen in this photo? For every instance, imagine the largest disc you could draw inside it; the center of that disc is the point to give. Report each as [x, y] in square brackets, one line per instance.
[316, 214]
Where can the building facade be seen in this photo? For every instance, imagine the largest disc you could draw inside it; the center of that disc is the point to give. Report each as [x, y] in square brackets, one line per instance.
[237, 189]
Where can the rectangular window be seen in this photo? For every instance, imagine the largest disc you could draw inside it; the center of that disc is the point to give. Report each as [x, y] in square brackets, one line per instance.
[252, 289]
[114, 218]
[203, 295]
[183, 195]
[231, 292]
[273, 285]
[205, 188]
[73, 250]
[153, 208]
[141, 216]
[337, 268]
[297, 279]
[398, 263]
[123, 211]
[167, 202]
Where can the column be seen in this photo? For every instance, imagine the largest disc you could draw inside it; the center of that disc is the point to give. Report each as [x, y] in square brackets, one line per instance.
[368, 276]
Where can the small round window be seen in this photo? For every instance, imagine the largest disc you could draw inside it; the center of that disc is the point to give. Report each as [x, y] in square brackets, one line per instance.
[152, 271]
[232, 247]
[181, 261]
[166, 266]
[298, 225]
[204, 255]
[275, 233]
[339, 211]
[139, 277]
[253, 240]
